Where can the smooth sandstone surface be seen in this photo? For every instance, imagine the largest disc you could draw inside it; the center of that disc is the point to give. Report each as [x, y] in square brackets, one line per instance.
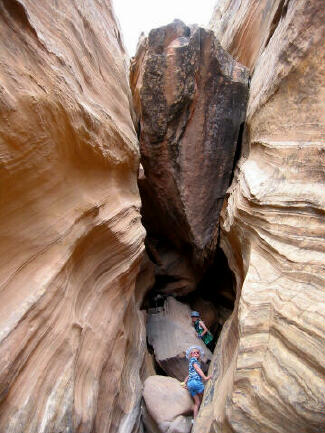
[190, 99]
[244, 27]
[72, 338]
[268, 368]
[170, 333]
[168, 406]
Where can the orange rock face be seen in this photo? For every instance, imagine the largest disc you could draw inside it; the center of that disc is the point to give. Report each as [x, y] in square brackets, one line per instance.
[269, 365]
[71, 237]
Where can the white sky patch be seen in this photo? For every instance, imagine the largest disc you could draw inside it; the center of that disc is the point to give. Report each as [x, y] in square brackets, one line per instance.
[136, 16]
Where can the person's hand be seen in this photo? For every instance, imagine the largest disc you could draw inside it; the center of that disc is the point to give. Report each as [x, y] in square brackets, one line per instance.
[207, 378]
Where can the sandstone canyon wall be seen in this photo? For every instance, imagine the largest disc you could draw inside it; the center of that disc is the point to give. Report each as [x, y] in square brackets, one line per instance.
[72, 338]
[71, 335]
[268, 367]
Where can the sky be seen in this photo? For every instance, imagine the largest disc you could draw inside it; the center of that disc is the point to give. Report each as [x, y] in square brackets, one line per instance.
[136, 16]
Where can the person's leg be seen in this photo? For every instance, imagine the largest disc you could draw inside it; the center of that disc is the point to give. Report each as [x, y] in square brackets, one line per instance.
[196, 406]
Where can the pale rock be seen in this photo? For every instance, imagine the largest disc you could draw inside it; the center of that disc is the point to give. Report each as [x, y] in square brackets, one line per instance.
[72, 338]
[168, 406]
[170, 333]
[148, 366]
[268, 367]
[145, 278]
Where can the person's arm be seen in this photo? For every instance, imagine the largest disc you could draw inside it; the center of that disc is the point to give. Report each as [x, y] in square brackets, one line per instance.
[200, 372]
[185, 382]
[205, 329]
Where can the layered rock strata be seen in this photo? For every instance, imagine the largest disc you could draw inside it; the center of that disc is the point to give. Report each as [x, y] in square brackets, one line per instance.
[71, 335]
[269, 364]
[190, 100]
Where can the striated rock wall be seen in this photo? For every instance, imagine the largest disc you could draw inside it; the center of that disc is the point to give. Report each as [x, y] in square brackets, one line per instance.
[71, 336]
[269, 364]
[244, 27]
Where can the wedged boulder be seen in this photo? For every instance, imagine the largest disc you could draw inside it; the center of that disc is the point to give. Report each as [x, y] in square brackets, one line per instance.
[269, 364]
[174, 273]
[170, 333]
[190, 97]
[168, 406]
[174, 270]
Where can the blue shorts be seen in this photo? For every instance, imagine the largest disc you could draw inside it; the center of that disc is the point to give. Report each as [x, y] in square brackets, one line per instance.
[195, 387]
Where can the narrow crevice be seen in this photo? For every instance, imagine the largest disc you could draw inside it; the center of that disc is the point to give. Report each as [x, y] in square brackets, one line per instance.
[279, 14]
[190, 143]
[216, 287]
[238, 151]
[157, 367]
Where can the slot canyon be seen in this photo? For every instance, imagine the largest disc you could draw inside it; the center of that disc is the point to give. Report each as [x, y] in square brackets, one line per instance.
[135, 190]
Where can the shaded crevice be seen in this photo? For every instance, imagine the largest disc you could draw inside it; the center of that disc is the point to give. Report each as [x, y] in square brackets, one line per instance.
[238, 151]
[190, 100]
[214, 297]
[212, 288]
[217, 288]
[218, 283]
[279, 14]
[157, 367]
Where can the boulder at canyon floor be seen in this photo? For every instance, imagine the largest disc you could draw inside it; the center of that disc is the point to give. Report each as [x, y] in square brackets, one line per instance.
[168, 406]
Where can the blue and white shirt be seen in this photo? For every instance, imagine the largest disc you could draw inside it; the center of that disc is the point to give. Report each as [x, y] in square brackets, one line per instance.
[192, 373]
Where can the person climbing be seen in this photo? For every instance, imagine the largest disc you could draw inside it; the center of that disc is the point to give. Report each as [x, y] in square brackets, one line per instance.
[201, 330]
[194, 380]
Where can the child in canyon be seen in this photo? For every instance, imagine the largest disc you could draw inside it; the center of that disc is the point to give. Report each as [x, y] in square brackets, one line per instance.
[194, 380]
[201, 330]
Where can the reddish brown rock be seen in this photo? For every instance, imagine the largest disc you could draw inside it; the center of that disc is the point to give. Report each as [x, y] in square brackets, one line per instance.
[190, 97]
[208, 312]
[174, 273]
